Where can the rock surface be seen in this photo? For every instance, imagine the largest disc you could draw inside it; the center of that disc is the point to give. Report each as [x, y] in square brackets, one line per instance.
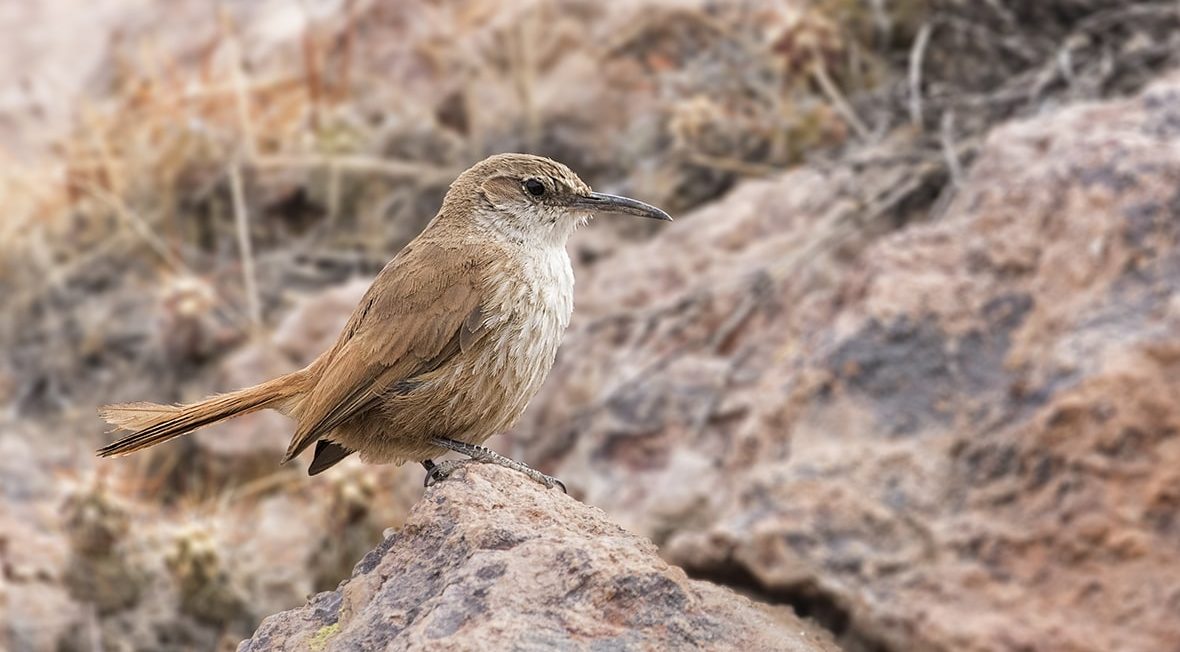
[491, 560]
[962, 436]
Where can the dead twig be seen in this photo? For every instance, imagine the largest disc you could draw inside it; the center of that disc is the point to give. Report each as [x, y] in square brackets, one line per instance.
[358, 163]
[917, 55]
[245, 250]
[241, 87]
[725, 164]
[137, 224]
[820, 72]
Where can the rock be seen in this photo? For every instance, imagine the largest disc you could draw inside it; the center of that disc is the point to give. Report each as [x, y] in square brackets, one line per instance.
[961, 436]
[490, 560]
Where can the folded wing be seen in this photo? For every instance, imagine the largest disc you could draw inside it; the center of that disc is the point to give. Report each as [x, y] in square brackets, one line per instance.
[421, 310]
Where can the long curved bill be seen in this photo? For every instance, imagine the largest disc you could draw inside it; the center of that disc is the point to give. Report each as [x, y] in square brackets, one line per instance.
[600, 202]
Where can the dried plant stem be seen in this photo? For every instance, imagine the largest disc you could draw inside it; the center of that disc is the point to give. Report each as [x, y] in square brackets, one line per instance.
[745, 168]
[242, 222]
[917, 55]
[241, 86]
[820, 72]
[138, 225]
[524, 77]
[333, 195]
[357, 163]
[222, 501]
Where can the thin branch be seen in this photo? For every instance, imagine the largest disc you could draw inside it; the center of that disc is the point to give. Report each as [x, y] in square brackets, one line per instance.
[358, 163]
[333, 195]
[917, 56]
[242, 222]
[241, 85]
[820, 72]
[736, 166]
[137, 224]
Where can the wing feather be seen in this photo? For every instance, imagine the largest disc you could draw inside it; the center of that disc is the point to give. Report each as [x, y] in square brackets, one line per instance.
[421, 310]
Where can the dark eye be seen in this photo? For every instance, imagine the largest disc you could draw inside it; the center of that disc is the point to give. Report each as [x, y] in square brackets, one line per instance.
[534, 187]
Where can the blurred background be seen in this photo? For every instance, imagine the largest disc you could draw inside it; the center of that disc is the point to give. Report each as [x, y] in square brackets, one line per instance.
[906, 362]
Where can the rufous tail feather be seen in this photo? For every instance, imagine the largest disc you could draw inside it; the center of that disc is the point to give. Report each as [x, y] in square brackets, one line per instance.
[153, 424]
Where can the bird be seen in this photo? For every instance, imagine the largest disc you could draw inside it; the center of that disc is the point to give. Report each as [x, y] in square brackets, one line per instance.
[448, 345]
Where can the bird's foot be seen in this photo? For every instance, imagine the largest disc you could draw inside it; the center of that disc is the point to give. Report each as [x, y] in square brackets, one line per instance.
[486, 456]
[547, 480]
[436, 473]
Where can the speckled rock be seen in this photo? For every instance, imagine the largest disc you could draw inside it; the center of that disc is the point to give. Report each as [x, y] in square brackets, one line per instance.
[491, 560]
[959, 436]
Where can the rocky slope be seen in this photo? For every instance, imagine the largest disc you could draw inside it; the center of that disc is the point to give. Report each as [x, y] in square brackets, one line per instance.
[491, 560]
[954, 433]
[963, 436]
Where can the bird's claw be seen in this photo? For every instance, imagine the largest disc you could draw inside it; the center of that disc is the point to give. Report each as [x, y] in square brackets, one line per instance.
[555, 481]
[547, 480]
[436, 473]
[432, 476]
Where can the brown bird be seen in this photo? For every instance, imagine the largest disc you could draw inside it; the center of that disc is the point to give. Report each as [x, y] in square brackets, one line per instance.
[448, 345]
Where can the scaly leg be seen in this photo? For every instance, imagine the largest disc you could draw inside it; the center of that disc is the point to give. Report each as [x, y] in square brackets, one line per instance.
[438, 472]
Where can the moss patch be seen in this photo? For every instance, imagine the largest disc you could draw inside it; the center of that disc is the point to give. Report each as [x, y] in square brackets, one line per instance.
[319, 640]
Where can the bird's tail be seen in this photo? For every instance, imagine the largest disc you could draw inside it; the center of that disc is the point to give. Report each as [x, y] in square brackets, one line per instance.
[152, 423]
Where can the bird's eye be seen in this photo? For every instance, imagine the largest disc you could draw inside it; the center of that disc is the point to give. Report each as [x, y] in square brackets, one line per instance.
[534, 187]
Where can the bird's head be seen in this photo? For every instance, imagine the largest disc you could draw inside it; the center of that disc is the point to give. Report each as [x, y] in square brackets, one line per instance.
[534, 198]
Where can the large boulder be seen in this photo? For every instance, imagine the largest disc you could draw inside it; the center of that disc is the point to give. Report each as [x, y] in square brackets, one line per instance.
[961, 436]
[490, 560]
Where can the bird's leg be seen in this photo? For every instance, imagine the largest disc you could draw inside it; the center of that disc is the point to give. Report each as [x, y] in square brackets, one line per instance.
[436, 472]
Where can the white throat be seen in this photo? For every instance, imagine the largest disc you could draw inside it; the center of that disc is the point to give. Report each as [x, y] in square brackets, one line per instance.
[548, 231]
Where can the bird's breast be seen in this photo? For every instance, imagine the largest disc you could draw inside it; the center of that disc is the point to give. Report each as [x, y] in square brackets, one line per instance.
[534, 309]
[528, 311]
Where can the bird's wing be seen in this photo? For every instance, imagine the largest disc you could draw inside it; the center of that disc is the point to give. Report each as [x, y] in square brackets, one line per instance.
[422, 309]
